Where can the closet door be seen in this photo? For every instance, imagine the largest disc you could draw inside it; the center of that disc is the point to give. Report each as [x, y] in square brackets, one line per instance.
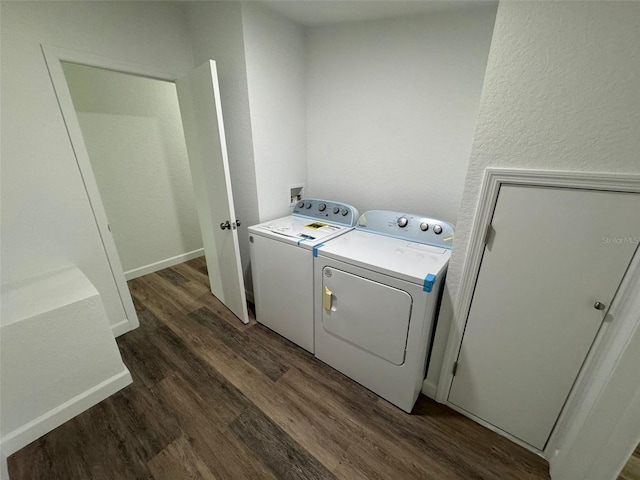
[549, 272]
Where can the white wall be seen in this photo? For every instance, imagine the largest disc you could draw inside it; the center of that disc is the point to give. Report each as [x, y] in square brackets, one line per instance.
[275, 60]
[391, 109]
[47, 223]
[133, 133]
[560, 93]
[216, 33]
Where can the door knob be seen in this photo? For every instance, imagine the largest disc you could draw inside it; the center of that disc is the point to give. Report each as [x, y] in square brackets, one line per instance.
[237, 223]
[599, 306]
[225, 225]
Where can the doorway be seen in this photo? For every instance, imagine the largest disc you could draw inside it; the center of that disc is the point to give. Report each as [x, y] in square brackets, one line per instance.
[133, 133]
[199, 101]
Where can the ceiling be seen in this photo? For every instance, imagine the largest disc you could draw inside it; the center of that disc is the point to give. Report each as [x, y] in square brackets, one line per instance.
[313, 13]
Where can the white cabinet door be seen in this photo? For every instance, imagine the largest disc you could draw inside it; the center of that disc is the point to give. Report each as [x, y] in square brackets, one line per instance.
[199, 99]
[554, 253]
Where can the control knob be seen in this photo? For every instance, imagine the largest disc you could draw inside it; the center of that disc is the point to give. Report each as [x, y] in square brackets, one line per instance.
[322, 207]
[344, 212]
[402, 222]
[424, 226]
[307, 205]
[437, 229]
[301, 204]
[336, 210]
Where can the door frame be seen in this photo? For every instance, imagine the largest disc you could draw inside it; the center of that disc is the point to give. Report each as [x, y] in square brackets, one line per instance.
[54, 56]
[612, 335]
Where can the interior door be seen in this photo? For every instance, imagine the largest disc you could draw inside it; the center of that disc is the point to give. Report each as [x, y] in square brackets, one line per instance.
[553, 255]
[199, 99]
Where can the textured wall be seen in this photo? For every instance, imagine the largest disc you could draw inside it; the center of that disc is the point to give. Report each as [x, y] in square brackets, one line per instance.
[560, 93]
[133, 132]
[391, 109]
[47, 223]
[275, 57]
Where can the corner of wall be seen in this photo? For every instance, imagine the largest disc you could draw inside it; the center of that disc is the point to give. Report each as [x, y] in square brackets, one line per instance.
[217, 32]
[275, 68]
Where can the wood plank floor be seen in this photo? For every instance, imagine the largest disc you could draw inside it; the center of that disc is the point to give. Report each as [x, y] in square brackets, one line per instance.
[215, 399]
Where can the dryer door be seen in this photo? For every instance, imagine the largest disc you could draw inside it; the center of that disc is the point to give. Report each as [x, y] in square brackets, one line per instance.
[370, 315]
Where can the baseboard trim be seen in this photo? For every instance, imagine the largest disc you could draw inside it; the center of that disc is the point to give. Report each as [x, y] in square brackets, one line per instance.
[429, 389]
[121, 327]
[23, 436]
[169, 262]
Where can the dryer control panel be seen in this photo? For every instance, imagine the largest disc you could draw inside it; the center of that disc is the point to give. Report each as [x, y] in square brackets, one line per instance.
[408, 226]
[333, 212]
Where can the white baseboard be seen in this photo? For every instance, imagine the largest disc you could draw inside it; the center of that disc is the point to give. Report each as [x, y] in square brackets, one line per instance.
[23, 436]
[169, 262]
[121, 327]
[429, 389]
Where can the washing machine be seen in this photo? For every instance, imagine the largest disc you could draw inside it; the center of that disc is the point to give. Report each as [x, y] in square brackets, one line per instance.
[282, 253]
[377, 291]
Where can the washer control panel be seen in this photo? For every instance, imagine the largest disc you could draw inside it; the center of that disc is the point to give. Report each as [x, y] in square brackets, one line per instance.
[407, 226]
[334, 212]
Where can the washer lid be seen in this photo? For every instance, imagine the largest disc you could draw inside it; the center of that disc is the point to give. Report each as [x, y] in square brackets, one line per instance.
[396, 257]
[301, 231]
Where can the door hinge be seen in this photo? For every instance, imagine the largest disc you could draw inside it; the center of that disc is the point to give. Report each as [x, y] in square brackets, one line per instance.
[455, 369]
[489, 235]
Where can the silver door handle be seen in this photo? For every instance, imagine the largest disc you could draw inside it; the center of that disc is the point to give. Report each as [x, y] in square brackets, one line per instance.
[225, 225]
[599, 306]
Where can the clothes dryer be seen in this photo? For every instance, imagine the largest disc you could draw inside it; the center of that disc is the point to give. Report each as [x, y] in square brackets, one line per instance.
[377, 291]
[282, 265]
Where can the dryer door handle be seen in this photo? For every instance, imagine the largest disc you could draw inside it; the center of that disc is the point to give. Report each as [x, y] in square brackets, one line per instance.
[327, 296]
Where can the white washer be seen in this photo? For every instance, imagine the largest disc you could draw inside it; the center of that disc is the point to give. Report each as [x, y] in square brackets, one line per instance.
[377, 290]
[282, 253]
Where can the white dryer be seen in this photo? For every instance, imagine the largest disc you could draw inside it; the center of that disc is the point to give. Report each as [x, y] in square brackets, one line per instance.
[282, 253]
[377, 291]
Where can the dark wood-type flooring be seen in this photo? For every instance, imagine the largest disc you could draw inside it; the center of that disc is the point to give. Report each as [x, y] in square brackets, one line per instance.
[215, 399]
[631, 470]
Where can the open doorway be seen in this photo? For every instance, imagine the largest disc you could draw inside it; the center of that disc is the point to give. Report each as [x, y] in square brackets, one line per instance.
[133, 133]
[109, 96]
[132, 130]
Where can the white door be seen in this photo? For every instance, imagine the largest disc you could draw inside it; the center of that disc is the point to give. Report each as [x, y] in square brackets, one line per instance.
[553, 254]
[199, 99]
